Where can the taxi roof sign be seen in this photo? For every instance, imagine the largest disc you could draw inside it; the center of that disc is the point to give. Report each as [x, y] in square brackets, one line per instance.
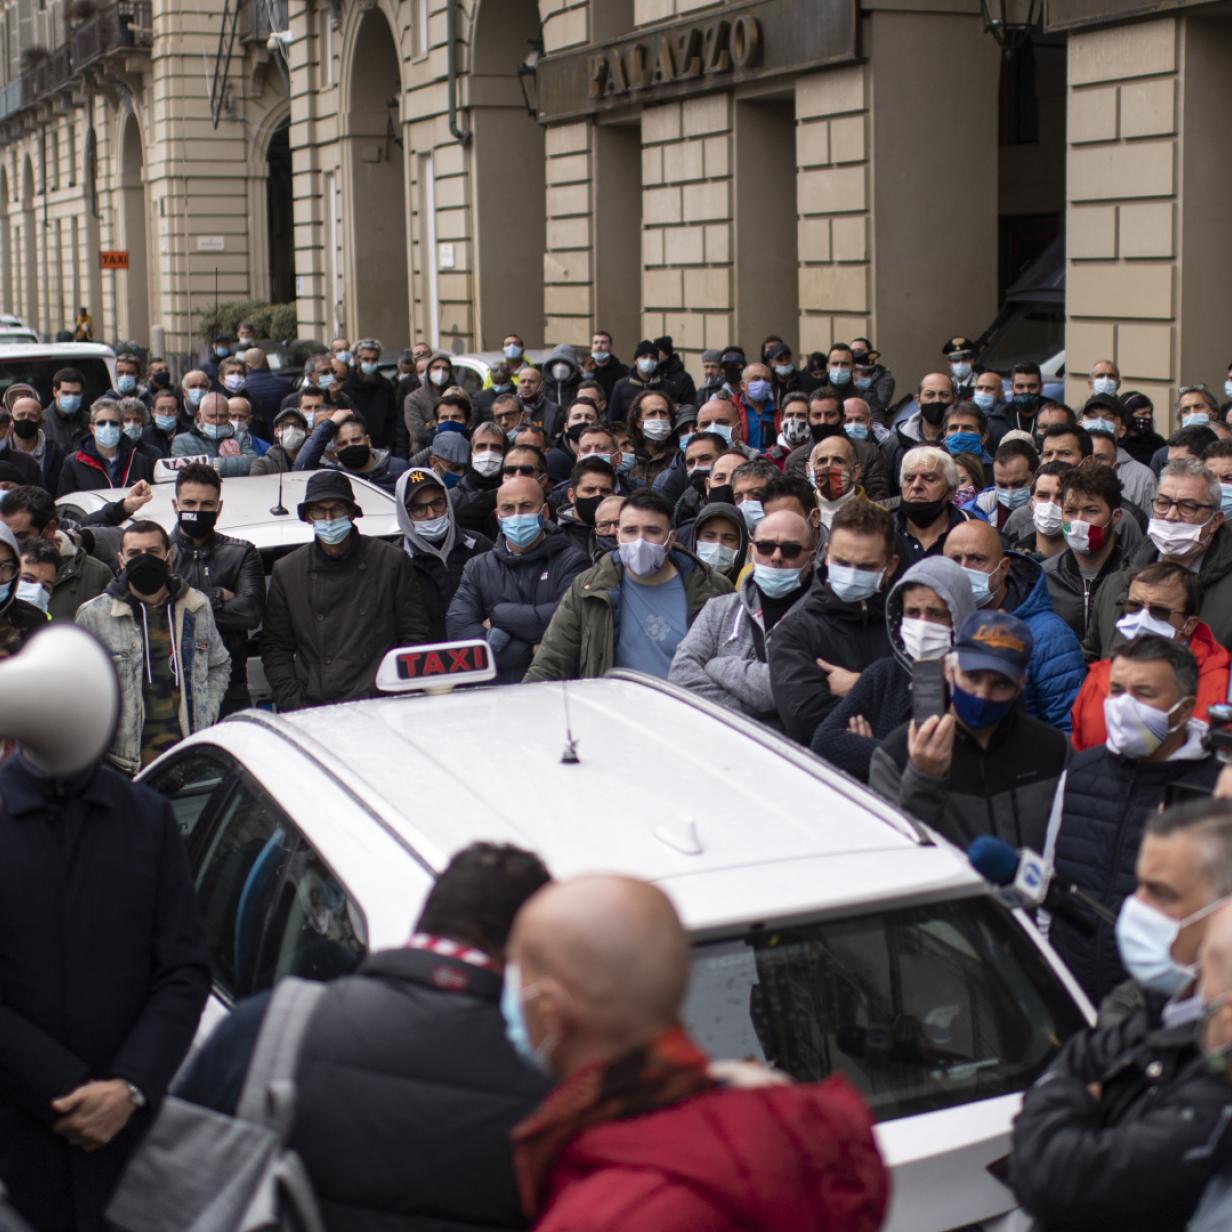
[411, 669]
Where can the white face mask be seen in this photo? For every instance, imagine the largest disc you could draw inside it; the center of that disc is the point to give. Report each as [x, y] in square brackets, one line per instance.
[656, 429]
[716, 555]
[1104, 385]
[643, 558]
[433, 529]
[291, 438]
[1134, 728]
[439, 376]
[1174, 538]
[1047, 517]
[1145, 937]
[487, 463]
[1143, 622]
[922, 639]
[561, 372]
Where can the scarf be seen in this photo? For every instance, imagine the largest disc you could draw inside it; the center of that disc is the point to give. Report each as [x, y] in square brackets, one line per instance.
[667, 1070]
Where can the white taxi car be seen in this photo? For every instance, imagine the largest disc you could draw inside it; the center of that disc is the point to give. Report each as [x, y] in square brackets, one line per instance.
[831, 934]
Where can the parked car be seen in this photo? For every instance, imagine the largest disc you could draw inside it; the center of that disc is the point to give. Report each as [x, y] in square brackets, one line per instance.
[831, 933]
[33, 363]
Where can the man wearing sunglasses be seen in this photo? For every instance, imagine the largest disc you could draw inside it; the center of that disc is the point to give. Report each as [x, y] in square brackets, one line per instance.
[1163, 599]
[723, 656]
[1186, 526]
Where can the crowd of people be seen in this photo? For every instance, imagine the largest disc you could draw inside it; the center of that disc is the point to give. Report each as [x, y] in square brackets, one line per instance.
[784, 538]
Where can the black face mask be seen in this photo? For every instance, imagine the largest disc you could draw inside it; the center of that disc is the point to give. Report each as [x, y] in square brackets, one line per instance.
[823, 432]
[860, 359]
[604, 544]
[585, 507]
[575, 433]
[697, 479]
[354, 457]
[934, 412]
[27, 429]
[1138, 426]
[721, 494]
[146, 574]
[923, 513]
[161, 380]
[198, 523]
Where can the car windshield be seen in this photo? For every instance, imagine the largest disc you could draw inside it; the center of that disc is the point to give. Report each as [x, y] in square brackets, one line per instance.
[38, 372]
[922, 1008]
[1034, 333]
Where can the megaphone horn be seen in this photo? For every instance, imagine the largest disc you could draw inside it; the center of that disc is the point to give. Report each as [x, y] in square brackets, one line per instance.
[60, 700]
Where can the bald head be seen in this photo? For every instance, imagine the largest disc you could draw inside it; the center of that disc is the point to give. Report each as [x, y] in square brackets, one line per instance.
[785, 527]
[213, 409]
[974, 538]
[516, 493]
[604, 964]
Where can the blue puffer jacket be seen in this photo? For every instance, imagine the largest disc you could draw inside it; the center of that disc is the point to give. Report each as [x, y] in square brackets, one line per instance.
[1105, 802]
[1057, 668]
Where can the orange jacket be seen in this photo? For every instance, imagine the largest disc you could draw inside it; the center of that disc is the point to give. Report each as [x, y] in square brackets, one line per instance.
[1213, 663]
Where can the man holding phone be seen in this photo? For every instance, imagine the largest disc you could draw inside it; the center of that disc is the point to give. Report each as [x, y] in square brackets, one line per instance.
[980, 766]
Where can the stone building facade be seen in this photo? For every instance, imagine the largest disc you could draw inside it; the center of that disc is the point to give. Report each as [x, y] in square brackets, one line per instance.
[711, 169]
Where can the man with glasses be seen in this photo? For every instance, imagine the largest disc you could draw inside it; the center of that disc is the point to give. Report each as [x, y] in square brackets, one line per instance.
[528, 462]
[438, 547]
[507, 596]
[1187, 527]
[509, 414]
[107, 458]
[15, 613]
[723, 655]
[633, 607]
[337, 605]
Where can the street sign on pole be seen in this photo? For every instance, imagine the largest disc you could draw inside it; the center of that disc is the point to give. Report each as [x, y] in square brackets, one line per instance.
[113, 260]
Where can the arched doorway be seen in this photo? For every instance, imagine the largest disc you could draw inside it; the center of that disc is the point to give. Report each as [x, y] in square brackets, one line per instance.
[279, 216]
[29, 265]
[510, 210]
[379, 283]
[135, 283]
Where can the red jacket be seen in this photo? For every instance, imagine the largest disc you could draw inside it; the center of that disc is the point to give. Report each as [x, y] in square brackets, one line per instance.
[771, 1159]
[1088, 712]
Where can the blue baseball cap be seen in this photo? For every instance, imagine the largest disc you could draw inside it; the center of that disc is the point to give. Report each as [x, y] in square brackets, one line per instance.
[992, 641]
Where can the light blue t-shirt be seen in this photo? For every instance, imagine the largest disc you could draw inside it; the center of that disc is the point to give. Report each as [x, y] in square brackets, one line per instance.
[653, 620]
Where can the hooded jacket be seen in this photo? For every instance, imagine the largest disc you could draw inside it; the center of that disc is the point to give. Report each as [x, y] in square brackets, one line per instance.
[561, 392]
[882, 695]
[375, 403]
[474, 503]
[438, 565]
[718, 509]
[1214, 578]
[1213, 664]
[79, 578]
[768, 1159]
[86, 470]
[517, 593]
[420, 405]
[822, 626]
[580, 643]
[608, 374]
[1057, 668]
[190, 444]
[202, 667]
[723, 655]
[384, 471]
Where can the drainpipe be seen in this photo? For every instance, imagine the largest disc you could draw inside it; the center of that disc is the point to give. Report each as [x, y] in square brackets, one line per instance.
[463, 135]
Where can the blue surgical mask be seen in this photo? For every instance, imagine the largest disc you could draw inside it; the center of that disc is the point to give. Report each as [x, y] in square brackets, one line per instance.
[1104, 385]
[984, 400]
[68, 404]
[724, 430]
[165, 422]
[513, 351]
[503, 388]
[759, 390]
[601, 357]
[716, 555]
[107, 435]
[964, 442]
[433, 529]
[852, 585]
[978, 713]
[961, 370]
[343, 357]
[1013, 498]
[840, 376]
[683, 442]
[33, 593]
[1195, 419]
[334, 531]
[1225, 502]
[222, 351]
[981, 586]
[5, 591]
[216, 432]
[646, 365]
[194, 395]
[126, 384]
[133, 431]
[627, 461]
[856, 431]
[368, 368]
[753, 512]
[522, 529]
[864, 382]
[1100, 425]
[783, 371]
[516, 1031]
[775, 583]
[451, 480]
[326, 380]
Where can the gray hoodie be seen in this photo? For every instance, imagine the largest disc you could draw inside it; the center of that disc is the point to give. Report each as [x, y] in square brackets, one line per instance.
[418, 408]
[947, 579]
[561, 392]
[412, 540]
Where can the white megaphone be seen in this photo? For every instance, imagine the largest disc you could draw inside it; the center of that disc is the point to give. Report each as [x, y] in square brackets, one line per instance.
[60, 700]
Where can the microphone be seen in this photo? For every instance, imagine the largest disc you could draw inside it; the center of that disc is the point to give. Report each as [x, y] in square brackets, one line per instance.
[1024, 879]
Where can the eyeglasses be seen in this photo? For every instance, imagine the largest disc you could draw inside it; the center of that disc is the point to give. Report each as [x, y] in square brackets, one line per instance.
[8, 571]
[1163, 505]
[1131, 607]
[433, 507]
[767, 548]
[525, 469]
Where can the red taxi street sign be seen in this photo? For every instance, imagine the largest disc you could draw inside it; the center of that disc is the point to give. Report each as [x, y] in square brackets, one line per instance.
[113, 259]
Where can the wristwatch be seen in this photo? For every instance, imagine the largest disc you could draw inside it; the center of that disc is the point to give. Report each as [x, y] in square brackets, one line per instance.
[135, 1095]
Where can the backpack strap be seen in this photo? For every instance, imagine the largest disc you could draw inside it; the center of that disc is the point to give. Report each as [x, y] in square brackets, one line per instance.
[273, 1060]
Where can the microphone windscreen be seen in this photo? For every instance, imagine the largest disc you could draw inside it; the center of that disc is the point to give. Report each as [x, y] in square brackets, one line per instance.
[994, 859]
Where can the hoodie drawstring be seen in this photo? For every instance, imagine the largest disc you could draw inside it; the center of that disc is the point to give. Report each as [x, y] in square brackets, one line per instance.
[145, 628]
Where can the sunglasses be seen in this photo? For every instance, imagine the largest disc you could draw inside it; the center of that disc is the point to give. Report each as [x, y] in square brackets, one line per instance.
[767, 547]
[525, 469]
[1131, 607]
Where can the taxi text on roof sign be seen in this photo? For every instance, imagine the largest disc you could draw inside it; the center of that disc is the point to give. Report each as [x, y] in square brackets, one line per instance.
[423, 667]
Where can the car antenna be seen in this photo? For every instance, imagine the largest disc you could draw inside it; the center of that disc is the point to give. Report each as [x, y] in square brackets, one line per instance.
[280, 510]
[570, 756]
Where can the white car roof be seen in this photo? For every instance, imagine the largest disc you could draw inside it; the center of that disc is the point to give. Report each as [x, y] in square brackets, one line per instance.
[246, 505]
[13, 335]
[59, 350]
[667, 787]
